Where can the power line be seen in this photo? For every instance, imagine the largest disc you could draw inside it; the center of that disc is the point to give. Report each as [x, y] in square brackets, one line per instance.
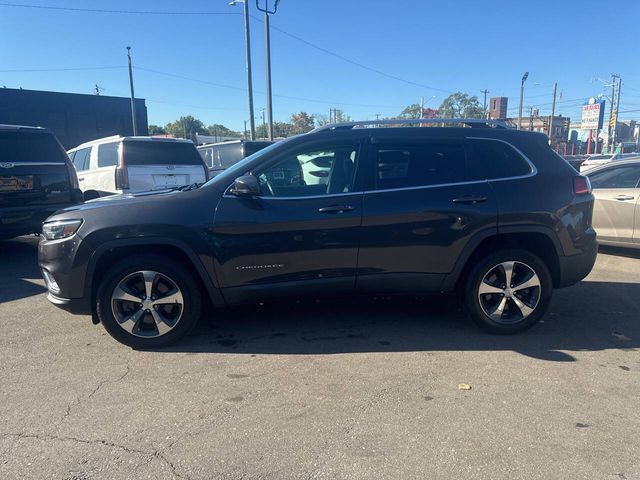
[353, 62]
[289, 97]
[99, 10]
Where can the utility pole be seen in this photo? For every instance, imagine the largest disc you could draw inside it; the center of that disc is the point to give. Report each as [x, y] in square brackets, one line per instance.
[133, 96]
[615, 117]
[247, 41]
[264, 125]
[267, 47]
[484, 104]
[421, 107]
[530, 118]
[524, 79]
[330, 115]
[553, 111]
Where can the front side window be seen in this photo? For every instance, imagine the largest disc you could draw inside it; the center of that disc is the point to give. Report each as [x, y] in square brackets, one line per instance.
[493, 159]
[324, 171]
[107, 155]
[419, 164]
[620, 177]
[81, 159]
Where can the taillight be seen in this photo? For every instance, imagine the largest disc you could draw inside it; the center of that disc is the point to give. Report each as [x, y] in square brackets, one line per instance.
[73, 175]
[122, 175]
[581, 185]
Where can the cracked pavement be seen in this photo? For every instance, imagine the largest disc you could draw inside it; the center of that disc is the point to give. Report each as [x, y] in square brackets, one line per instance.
[332, 389]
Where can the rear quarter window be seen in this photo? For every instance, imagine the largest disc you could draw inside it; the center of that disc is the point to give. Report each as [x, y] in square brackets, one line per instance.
[107, 154]
[492, 159]
[30, 147]
[161, 153]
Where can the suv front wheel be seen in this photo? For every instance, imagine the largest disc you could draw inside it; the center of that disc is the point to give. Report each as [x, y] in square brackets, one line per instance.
[148, 301]
[508, 291]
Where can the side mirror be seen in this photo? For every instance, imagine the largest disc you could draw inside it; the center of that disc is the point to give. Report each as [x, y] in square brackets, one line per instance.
[245, 186]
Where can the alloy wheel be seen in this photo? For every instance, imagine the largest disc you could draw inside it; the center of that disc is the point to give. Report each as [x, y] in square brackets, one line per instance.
[147, 304]
[509, 292]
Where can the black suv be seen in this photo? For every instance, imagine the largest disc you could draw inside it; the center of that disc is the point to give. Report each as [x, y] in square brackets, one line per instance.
[36, 179]
[488, 211]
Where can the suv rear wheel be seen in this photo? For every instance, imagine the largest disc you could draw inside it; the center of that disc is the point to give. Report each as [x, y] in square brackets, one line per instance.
[148, 301]
[508, 291]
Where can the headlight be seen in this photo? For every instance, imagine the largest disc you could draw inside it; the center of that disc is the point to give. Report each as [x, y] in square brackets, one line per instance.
[60, 229]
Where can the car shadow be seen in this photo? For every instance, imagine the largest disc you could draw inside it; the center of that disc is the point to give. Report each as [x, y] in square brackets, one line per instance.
[589, 316]
[19, 266]
[620, 252]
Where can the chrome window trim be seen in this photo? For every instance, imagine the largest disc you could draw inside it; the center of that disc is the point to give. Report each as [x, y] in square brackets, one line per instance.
[534, 170]
[20, 164]
[329, 195]
[532, 173]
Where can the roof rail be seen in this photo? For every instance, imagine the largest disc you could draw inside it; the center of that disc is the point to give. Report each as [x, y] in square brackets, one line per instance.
[470, 122]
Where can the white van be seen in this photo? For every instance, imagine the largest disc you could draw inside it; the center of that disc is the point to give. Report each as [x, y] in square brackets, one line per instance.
[136, 164]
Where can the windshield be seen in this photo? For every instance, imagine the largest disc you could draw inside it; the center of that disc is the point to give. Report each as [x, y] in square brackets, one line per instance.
[239, 168]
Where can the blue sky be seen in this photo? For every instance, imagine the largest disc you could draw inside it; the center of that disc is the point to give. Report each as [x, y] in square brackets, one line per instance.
[433, 47]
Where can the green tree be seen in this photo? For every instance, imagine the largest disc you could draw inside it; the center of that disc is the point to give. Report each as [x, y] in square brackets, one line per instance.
[460, 105]
[302, 122]
[156, 130]
[280, 129]
[339, 116]
[220, 130]
[321, 119]
[185, 127]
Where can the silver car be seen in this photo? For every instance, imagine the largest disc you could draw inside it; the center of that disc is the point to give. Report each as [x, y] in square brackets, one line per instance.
[616, 215]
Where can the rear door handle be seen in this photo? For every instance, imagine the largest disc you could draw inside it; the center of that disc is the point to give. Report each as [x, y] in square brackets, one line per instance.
[470, 199]
[81, 179]
[623, 197]
[336, 209]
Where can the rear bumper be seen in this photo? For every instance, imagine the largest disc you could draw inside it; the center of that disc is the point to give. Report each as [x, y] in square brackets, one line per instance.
[574, 268]
[15, 221]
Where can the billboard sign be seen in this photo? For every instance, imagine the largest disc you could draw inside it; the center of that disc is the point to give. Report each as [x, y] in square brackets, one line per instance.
[592, 115]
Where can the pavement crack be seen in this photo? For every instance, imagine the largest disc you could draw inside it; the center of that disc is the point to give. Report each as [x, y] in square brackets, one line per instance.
[78, 400]
[46, 437]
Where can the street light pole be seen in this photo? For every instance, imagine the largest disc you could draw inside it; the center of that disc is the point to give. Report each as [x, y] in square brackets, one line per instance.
[247, 40]
[524, 79]
[553, 111]
[133, 96]
[484, 104]
[267, 47]
[615, 125]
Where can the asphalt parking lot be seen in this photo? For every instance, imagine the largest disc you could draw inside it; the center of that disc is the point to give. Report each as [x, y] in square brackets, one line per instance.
[337, 389]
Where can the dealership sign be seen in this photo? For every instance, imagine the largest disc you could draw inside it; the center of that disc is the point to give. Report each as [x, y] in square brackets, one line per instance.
[592, 115]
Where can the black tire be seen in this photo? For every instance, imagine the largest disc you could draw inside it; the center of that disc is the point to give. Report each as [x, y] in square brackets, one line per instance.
[165, 266]
[541, 295]
[90, 195]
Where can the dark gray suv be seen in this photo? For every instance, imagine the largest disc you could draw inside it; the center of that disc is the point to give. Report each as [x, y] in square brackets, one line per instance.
[487, 211]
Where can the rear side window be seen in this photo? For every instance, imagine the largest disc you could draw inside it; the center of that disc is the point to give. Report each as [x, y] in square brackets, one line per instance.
[161, 153]
[30, 147]
[491, 159]
[420, 164]
[226, 155]
[107, 154]
[81, 159]
[621, 177]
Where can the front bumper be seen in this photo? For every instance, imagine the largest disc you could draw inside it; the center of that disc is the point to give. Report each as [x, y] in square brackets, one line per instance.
[65, 261]
[77, 306]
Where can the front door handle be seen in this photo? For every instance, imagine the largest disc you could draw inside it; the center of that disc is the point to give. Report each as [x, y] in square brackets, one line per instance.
[623, 197]
[336, 209]
[470, 199]
[81, 179]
